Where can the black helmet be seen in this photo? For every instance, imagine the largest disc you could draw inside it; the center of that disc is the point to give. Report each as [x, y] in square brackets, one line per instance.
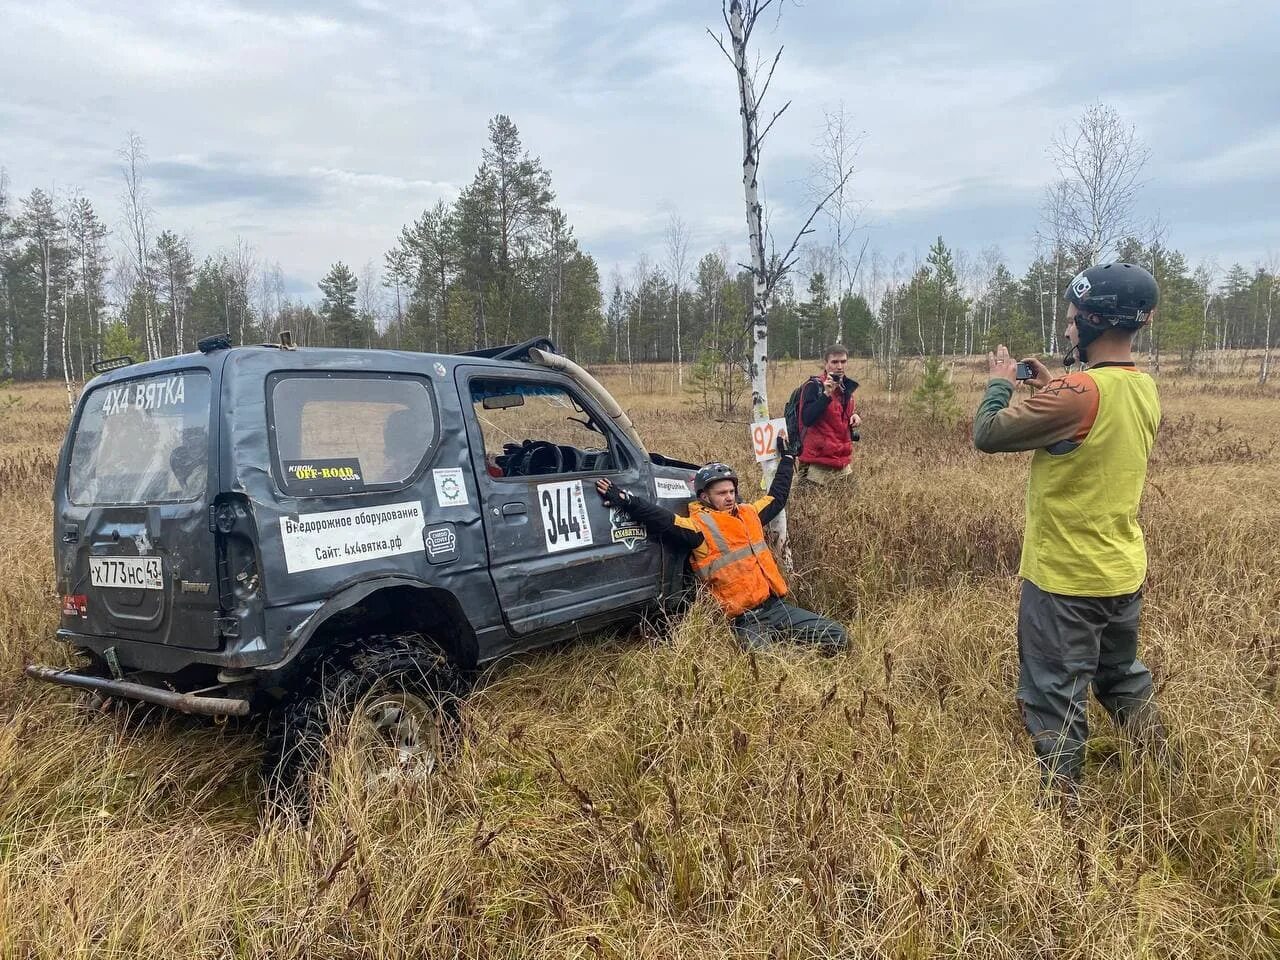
[1123, 294]
[1109, 295]
[710, 474]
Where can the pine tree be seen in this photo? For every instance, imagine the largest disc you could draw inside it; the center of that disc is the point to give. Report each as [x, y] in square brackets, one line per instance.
[173, 268]
[117, 342]
[89, 263]
[344, 326]
[42, 229]
[934, 398]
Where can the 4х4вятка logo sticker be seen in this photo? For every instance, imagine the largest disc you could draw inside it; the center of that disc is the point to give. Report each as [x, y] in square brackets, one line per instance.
[625, 530]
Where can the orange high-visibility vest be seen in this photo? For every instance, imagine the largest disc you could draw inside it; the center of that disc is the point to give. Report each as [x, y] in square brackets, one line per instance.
[733, 560]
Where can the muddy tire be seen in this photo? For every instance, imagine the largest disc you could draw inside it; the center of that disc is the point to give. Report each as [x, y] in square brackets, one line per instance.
[393, 700]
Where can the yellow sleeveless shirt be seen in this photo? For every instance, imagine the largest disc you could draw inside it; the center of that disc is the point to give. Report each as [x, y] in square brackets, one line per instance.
[1082, 536]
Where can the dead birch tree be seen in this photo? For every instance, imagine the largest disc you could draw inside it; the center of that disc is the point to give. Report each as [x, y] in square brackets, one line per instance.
[241, 265]
[640, 274]
[765, 272]
[837, 149]
[6, 295]
[677, 271]
[1270, 271]
[1099, 162]
[68, 285]
[137, 217]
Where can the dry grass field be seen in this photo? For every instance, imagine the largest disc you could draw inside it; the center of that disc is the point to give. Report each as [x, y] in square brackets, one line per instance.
[670, 796]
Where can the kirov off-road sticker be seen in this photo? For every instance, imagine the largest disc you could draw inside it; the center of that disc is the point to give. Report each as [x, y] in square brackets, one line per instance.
[333, 475]
[565, 524]
[335, 537]
[451, 491]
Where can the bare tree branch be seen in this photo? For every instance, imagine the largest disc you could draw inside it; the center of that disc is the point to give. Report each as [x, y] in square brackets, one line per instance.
[1099, 161]
[788, 259]
[720, 43]
[769, 79]
[769, 126]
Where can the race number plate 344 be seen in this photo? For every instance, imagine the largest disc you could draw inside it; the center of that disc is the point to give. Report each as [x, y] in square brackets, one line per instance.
[128, 573]
[565, 523]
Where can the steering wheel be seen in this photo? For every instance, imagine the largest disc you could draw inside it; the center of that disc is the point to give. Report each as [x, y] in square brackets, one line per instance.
[541, 455]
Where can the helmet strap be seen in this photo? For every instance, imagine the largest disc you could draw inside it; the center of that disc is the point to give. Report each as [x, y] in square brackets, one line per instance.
[1088, 329]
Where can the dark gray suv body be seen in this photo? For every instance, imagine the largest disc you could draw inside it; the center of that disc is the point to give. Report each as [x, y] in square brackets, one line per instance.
[224, 519]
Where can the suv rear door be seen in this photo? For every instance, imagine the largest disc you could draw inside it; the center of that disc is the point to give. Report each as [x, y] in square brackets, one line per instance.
[136, 558]
[557, 554]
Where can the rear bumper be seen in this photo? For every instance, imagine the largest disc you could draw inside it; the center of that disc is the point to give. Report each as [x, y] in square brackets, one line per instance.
[182, 702]
[260, 644]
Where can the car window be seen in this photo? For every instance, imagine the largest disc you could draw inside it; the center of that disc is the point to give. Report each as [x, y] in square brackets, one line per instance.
[532, 428]
[142, 441]
[341, 434]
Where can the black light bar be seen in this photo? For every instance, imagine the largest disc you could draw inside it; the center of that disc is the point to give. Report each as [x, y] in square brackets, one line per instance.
[111, 363]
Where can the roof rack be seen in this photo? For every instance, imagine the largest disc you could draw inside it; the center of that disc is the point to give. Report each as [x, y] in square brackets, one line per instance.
[513, 351]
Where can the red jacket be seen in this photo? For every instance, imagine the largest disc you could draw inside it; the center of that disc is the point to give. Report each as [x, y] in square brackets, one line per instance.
[826, 441]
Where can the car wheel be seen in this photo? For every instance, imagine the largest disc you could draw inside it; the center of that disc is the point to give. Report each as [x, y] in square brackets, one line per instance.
[392, 701]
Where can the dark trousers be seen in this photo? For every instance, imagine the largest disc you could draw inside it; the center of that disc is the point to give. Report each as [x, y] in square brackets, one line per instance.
[776, 620]
[1065, 645]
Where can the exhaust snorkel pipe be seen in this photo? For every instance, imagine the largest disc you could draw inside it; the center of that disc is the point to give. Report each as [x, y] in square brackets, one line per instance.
[589, 383]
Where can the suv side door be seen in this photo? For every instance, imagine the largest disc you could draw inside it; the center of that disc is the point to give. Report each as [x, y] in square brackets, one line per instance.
[557, 554]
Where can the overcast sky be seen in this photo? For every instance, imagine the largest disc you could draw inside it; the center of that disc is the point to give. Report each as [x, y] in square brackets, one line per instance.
[315, 130]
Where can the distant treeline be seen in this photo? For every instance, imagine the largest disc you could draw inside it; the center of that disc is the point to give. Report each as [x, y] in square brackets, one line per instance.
[501, 264]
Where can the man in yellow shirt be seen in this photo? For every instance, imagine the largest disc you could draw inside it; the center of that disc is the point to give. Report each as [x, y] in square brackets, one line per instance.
[1083, 554]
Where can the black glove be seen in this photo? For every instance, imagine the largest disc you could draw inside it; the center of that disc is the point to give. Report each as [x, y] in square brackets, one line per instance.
[785, 447]
[614, 497]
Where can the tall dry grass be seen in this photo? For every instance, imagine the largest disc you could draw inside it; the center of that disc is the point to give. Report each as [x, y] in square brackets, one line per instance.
[671, 796]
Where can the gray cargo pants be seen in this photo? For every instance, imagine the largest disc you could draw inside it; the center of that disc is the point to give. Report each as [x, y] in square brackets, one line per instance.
[1065, 644]
[776, 620]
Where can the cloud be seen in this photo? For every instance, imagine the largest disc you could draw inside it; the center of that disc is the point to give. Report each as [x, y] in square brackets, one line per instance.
[327, 125]
[184, 183]
[1251, 160]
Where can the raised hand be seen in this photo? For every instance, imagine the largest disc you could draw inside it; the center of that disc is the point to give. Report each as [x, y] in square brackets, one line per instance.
[1002, 366]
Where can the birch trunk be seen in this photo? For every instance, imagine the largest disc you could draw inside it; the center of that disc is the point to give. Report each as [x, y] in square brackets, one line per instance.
[1053, 319]
[46, 255]
[8, 335]
[755, 238]
[66, 325]
[1265, 372]
[1044, 334]
[679, 346]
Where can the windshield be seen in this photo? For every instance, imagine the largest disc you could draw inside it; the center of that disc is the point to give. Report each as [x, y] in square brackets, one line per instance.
[144, 441]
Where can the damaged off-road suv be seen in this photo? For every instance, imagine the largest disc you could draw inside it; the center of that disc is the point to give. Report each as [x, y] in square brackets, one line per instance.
[342, 536]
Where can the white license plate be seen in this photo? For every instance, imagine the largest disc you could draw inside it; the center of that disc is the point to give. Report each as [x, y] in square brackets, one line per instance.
[129, 573]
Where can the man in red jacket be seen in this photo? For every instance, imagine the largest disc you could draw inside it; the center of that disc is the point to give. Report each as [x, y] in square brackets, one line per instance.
[828, 419]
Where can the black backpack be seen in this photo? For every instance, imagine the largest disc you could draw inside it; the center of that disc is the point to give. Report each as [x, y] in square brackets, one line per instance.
[795, 429]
